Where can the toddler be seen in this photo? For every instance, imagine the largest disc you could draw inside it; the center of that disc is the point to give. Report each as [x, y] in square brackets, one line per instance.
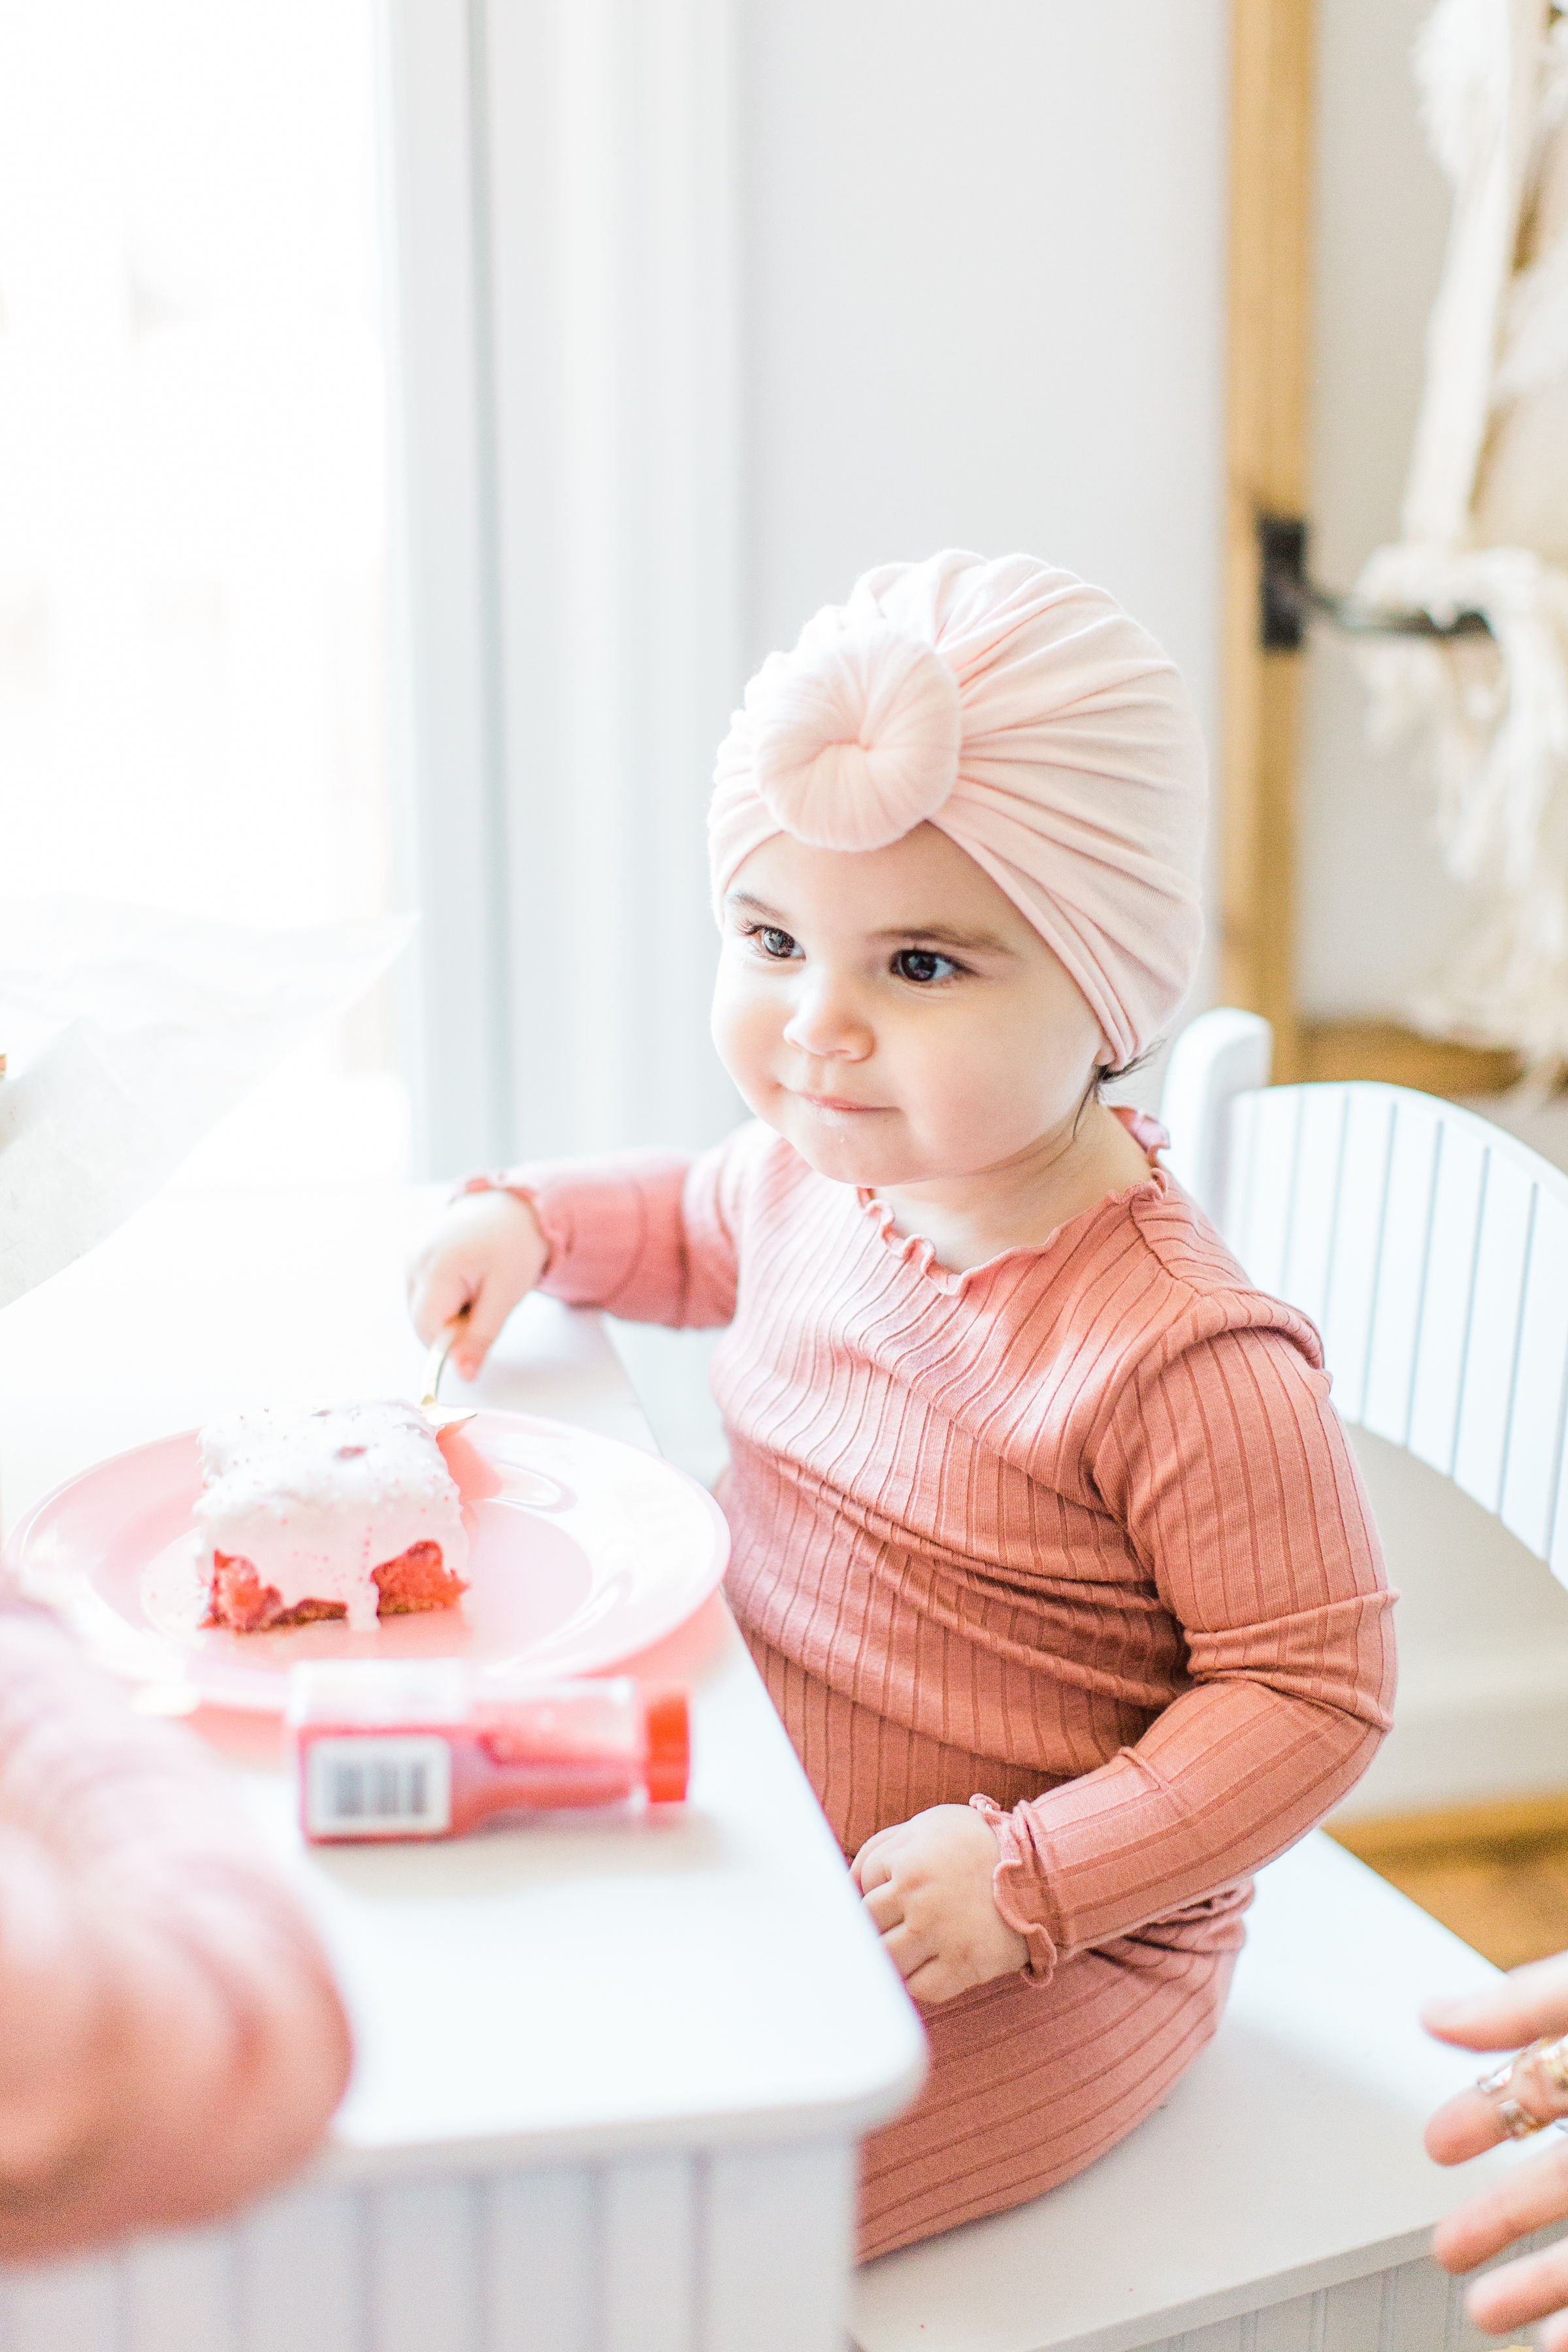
[1046, 1542]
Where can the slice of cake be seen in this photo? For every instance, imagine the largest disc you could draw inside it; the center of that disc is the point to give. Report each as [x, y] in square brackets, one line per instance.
[349, 1511]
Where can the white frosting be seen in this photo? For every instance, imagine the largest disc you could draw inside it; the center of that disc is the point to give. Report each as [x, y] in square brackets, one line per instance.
[316, 1501]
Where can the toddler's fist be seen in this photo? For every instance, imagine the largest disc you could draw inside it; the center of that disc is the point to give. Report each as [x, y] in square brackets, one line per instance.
[926, 1887]
[485, 1253]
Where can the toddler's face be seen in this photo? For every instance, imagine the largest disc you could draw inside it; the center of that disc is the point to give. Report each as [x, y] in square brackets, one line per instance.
[891, 1013]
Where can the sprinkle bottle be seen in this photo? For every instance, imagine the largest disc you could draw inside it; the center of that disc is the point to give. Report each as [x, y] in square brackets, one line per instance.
[401, 1749]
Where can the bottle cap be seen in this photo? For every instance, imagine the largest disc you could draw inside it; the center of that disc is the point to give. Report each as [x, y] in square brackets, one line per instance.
[669, 1746]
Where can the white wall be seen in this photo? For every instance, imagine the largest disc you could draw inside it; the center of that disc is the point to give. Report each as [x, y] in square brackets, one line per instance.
[984, 297]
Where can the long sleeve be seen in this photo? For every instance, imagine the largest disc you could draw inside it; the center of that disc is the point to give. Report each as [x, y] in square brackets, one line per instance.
[1235, 1480]
[648, 1235]
[174, 2044]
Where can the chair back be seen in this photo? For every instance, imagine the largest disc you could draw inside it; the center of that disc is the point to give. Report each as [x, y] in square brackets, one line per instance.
[1429, 1247]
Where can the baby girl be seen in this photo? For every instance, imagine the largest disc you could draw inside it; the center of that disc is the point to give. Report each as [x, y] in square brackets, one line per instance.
[1047, 1543]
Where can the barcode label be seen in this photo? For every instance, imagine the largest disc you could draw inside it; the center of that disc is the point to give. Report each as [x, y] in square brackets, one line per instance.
[378, 1787]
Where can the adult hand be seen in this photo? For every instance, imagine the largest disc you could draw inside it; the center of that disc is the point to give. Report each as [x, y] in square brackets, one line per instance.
[926, 1887]
[1531, 2003]
[486, 1251]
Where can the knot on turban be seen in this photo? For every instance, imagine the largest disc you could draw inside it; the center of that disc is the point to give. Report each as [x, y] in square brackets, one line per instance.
[1033, 721]
[856, 742]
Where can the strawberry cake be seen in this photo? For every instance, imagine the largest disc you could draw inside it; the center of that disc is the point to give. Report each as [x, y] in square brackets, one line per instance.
[349, 1511]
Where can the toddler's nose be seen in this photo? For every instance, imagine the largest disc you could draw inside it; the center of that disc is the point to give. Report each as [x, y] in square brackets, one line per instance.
[826, 1024]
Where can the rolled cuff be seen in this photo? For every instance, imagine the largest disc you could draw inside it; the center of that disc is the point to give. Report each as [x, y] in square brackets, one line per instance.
[1015, 1890]
[614, 1229]
[493, 1180]
[498, 1181]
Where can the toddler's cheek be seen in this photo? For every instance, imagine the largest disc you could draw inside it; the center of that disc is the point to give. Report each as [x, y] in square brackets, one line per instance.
[746, 1036]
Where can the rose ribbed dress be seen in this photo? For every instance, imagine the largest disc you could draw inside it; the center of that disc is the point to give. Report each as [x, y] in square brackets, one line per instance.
[1075, 1534]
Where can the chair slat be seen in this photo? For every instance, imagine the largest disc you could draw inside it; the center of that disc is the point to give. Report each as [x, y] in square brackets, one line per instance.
[1431, 1249]
[1534, 1461]
[1557, 1556]
[1315, 1199]
[1239, 1192]
[1402, 1268]
[1363, 1195]
[1263, 1241]
[1447, 1296]
[1496, 1308]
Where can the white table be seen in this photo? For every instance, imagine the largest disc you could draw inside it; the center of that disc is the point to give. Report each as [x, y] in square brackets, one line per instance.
[609, 2081]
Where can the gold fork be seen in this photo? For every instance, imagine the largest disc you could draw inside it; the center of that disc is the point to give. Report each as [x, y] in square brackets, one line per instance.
[443, 1416]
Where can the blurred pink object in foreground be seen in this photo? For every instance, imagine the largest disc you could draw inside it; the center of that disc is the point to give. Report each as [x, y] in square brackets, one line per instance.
[177, 2043]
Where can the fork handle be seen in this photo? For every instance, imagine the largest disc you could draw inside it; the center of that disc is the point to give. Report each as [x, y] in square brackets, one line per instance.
[436, 1361]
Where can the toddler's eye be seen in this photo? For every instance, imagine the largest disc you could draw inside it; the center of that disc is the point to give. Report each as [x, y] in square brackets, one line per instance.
[774, 942]
[922, 965]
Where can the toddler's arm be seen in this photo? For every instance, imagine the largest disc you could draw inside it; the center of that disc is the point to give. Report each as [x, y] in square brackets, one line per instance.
[173, 2042]
[1233, 1475]
[647, 1236]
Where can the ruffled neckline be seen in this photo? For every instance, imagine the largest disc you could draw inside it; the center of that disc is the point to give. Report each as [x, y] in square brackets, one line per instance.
[919, 1255]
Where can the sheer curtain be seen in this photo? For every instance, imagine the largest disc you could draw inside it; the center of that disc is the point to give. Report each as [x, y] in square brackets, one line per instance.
[563, 202]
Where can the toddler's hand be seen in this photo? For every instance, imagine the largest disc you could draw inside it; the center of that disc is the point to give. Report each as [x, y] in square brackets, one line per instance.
[927, 1891]
[486, 1251]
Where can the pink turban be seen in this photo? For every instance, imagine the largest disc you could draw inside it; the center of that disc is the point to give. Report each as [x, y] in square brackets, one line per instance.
[1031, 720]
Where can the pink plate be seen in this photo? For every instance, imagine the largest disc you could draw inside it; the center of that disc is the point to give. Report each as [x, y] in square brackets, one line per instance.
[584, 1550]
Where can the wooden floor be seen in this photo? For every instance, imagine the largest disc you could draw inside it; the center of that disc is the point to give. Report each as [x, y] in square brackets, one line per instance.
[1496, 1874]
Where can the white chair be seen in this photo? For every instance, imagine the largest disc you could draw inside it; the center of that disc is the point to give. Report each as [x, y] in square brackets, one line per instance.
[1280, 2201]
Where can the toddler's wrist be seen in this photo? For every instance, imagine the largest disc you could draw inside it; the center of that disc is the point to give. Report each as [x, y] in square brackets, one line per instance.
[1012, 1883]
[519, 1197]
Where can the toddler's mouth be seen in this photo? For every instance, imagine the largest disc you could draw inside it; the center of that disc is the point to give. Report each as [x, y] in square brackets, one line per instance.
[833, 1103]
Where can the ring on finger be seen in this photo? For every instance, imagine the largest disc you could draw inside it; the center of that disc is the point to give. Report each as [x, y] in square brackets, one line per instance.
[1541, 2072]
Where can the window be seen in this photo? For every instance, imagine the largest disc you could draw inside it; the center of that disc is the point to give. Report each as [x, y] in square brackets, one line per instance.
[192, 501]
